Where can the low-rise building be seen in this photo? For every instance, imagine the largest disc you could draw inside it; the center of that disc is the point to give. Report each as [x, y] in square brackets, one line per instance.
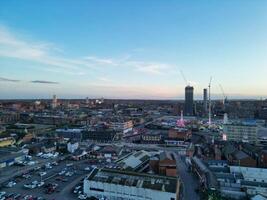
[137, 161]
[70, 133]
[9, 156]
[9, 117]
[231, 182]
[99, 135]
[151, 138]
[72, 146]
[167, 164]
[253, 180]
[115, 184]
[179, 134]
[7, 141]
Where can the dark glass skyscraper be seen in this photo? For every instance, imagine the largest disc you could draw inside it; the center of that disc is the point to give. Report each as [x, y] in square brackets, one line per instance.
[189, 101]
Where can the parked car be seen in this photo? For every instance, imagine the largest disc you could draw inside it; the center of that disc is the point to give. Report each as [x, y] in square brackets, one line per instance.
[27, 176]
[17, 196]
[62, 172]
[82, 196]
[42, 173]
[69, 173]
[11, 184]
[40, 184]
[2, 193]
[87, 168]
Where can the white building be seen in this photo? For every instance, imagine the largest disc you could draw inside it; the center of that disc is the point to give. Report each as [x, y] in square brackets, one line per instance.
[116, 184]
[72, 146]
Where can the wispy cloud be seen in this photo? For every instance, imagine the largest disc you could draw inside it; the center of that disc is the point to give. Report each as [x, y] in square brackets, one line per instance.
[44, 82]
[3, 79]
[102, 61]
[152, 68]
[48, 54]
[13, 46]
[8, 80]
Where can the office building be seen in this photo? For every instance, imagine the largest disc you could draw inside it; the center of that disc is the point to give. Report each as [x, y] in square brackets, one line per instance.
[122, 126]
[115, 184]
[241, 132]
[189, 101]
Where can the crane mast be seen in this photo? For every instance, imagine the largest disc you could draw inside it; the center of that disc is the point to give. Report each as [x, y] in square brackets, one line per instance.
[185, 80]
[223, 93]
[210, 101]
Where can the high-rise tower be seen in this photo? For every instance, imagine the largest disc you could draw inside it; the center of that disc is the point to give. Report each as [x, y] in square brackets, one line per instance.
[54, 101]
[189, 101]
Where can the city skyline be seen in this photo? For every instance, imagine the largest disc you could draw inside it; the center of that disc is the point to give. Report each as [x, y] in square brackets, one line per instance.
[132, 49]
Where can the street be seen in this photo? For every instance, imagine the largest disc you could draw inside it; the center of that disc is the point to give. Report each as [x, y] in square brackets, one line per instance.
[189, 183]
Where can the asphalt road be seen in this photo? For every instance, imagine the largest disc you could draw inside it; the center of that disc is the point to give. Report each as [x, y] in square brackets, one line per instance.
[189, 182]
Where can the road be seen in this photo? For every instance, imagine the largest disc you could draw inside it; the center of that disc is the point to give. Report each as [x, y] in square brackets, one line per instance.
[188, 181]
[66, 193]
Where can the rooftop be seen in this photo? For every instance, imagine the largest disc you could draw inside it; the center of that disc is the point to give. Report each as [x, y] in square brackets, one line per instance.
[139, 180]
[133, 161]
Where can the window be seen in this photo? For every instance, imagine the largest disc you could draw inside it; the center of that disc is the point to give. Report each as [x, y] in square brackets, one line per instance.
[97, 189]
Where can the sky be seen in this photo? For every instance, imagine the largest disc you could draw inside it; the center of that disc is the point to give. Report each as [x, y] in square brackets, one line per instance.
[132, 49]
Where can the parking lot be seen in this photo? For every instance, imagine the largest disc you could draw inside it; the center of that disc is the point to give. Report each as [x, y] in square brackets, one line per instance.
[51, 182]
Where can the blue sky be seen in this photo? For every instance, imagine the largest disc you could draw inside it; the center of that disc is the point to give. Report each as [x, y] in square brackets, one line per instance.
[132, 49]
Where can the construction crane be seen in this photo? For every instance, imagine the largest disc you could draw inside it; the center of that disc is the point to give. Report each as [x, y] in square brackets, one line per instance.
[223, 93]
[185, 80]
[210, 102]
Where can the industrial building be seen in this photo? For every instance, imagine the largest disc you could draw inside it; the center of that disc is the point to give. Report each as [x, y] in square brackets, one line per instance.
[115, 184]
